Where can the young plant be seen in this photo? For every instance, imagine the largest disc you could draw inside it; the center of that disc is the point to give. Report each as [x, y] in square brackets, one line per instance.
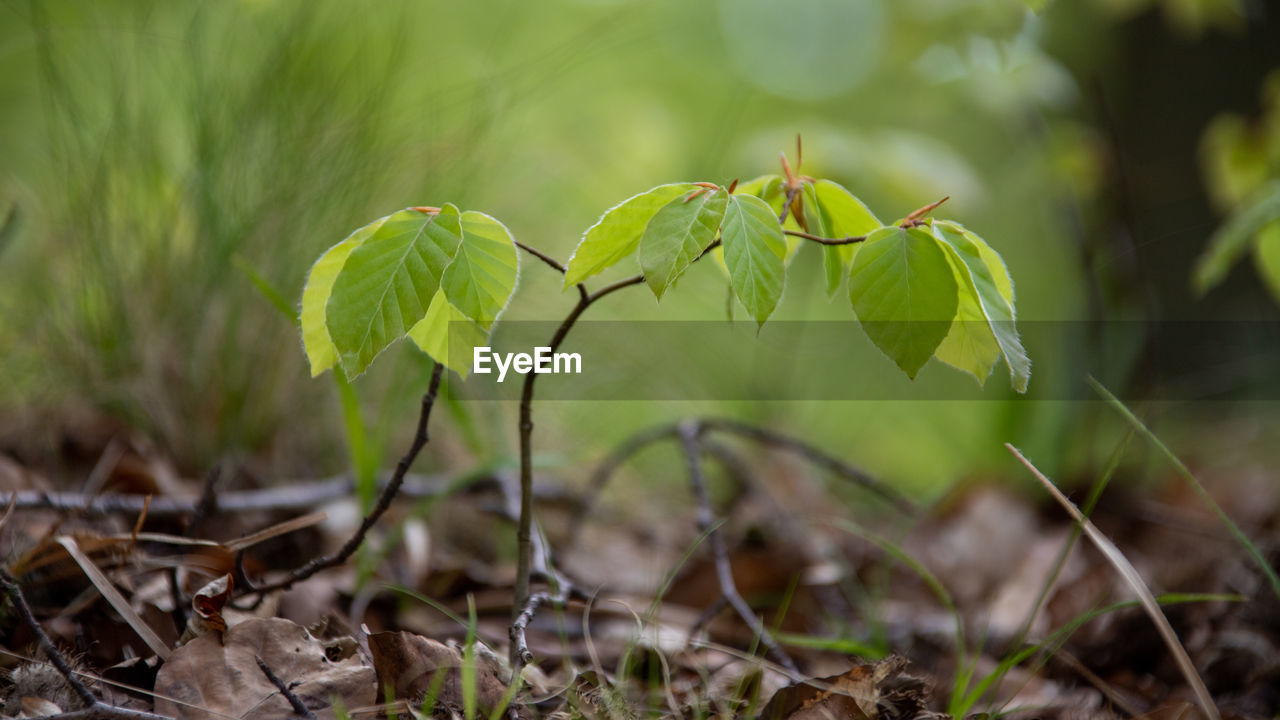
[919, 287]
[1242, 171]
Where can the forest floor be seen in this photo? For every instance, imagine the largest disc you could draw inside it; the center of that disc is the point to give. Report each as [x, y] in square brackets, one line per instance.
[988, 603]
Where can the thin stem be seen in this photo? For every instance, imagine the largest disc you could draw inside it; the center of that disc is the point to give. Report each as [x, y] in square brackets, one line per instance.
[524, 533]
[550, 261]
[299, 708]
[814, 456]
[324, 562]
[692, 444]
[792, 189]
[287, 495]
[607, 289]
[519, 645]
[826, 241]
[14, 591]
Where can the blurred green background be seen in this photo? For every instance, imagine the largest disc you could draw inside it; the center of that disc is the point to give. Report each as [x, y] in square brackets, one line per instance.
[160, 155]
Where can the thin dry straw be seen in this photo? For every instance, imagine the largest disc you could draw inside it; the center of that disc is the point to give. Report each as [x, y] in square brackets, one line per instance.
[1135, 582]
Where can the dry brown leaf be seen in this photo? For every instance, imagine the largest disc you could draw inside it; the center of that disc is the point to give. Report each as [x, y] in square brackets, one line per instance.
[408, 664]
[852, 695]
[207, 604]
[220, 679]
[35, 707]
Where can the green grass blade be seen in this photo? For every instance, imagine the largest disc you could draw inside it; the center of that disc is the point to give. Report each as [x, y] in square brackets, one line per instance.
[273, 296]
[931, 581]
[364, 462]
[1182, 469]
[847, 646]
[1062, 634]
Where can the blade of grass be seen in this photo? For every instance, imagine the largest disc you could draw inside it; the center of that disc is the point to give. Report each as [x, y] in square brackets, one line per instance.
[269, 292]
[1064, 633]
[1182, 469]
[468, 669]
[846, 646]
[364, 462]
[1095, 492]
[1135, 582]
[113, 596]
[963, 672]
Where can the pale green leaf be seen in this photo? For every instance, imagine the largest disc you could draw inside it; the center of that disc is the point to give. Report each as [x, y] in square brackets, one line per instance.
[677, 235]
[904, 294]
[845, 214]
[617, 233]
[1231, 241]
[765, 187]
[753, 252]
[840, 215]
[970, 345]
[995, 294]
[448, 336]
[833, 264]
[315, 297]
[482, 276]
[387, 282]
[1266, 257]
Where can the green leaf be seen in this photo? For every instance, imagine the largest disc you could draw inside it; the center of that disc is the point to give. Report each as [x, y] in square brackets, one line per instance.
[840, 215]
[765, 187]
[995, 295]
[904, 294]
[753, 250]
[448, 336]
[677, 235]
[315, 297]
[617, 233]
[482, 276]
[1231, 240]
[387, 283]
[970, 345]
[1266, 257]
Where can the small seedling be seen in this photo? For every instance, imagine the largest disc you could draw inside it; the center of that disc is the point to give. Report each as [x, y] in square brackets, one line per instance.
[920, 287]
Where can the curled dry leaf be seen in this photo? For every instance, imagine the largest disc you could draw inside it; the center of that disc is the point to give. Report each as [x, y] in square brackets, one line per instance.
[408, 664]
[864, 692]
[216, 679]
[207, 604]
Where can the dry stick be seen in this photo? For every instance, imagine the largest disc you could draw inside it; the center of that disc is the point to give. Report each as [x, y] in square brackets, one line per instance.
[96, 708]
[814, 456]
[692, 444]
[388, 494]
[205, 507]
[519, 645]
[290, 495]
[639, 441]
[298, 707]
[1135, 582]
